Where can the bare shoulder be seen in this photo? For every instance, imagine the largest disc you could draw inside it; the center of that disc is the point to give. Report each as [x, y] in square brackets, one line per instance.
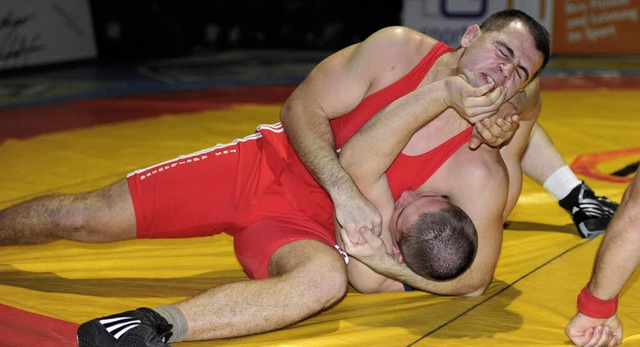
[481, 184]
[477, 170]
[398, 44]
[388, 54]
[401, 36]
[481, 170]
[487, 166]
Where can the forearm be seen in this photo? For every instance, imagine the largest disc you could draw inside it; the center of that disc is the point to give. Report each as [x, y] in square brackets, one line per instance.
[367, 281]
[619, 255]
[384, 136]
[512, 156]
[471, 283]
[310, 134]
[528, 103]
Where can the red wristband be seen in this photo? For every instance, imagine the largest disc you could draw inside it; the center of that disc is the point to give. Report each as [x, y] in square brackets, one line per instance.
[596, 308]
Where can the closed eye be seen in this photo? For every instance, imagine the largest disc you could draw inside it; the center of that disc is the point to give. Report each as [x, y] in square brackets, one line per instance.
[507, 52]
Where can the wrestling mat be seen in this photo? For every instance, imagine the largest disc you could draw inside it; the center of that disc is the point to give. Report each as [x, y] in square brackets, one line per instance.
[81, 144]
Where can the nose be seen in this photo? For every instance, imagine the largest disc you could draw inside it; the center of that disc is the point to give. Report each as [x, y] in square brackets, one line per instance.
[507, 69]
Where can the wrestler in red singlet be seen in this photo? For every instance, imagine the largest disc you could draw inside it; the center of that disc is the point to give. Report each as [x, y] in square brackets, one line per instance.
[257, 190]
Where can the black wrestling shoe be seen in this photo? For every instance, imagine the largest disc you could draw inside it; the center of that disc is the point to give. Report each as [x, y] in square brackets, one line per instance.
[590, 213]
[137, 328]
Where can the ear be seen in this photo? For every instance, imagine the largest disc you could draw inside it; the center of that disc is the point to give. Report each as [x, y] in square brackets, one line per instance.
[472, 32]
[397, 254]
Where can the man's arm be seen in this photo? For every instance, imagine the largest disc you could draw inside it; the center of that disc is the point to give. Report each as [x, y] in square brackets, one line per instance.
[334, 88]
[527, 104]
[617, 258]
[487, 218]
[396, 123]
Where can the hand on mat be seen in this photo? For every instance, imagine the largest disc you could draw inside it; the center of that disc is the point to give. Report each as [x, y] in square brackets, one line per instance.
[594, 332]
[372, 251]
[473, 104]
[357, 212]
[497, 129]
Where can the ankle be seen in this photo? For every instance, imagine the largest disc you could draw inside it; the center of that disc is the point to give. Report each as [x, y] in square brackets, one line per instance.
[175, 317]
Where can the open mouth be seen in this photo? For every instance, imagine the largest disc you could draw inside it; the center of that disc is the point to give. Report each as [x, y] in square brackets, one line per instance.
[492, 83]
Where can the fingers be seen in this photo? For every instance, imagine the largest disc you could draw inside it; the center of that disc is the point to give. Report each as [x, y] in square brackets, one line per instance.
[475, 142]
[615, 341]
[598, 336]
[351, 236]
[601, 337]
[494, 132]
[617, 337]
[581, 338]
[479, 107]
[377, 229]
[482, 90]
[346, 242]
[374, 241]
[367, 235]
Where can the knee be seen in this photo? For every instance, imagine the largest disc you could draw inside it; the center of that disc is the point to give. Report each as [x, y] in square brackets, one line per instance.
[330, 288]
[318, 272]
[72, 213]
[78, 218]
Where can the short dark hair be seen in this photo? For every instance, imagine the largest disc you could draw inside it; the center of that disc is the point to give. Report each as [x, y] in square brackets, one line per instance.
[441, 244]
[541, 36]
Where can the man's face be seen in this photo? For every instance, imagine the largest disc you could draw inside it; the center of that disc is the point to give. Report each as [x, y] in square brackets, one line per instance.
[412, 205]
[506, 58]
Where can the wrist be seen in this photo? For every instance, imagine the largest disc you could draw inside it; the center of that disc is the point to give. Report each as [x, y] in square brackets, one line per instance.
[594, 307]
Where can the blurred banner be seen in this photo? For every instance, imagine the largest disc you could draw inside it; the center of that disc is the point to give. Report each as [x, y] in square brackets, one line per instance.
[36, 32]
[590, 27]
[596, 27]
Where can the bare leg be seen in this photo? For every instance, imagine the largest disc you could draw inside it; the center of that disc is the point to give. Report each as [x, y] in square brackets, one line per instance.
[541, 158]
[543, 163]
[103, 215]
[306, 277]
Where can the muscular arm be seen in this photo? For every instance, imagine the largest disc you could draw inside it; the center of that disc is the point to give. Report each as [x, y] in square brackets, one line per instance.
[487, 218]
[617, 258]
[366, 159]
[528, 105]
[396, 123]
[619, 253]
[333, 88]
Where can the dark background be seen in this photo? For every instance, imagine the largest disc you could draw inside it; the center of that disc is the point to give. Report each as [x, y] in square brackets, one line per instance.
[139, 30]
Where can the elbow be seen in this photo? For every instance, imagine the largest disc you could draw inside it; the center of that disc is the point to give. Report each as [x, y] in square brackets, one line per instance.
[476, 292]
[368, 288]
[375, 286]
[478, 288]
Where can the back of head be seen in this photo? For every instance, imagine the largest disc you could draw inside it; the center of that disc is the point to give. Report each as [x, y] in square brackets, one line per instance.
[502, 19]
[440, 245]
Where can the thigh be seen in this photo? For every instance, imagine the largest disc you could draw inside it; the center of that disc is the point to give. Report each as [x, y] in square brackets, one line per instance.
[108, 214]
[192, 195]
[255, 245]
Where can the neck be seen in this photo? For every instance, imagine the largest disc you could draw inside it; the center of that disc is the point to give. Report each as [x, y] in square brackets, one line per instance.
[446, 65]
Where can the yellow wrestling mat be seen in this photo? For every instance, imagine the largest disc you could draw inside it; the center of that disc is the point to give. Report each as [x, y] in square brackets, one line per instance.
[542, 267]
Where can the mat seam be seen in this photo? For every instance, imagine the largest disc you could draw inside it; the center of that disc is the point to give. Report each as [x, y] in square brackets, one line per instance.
[497, 293]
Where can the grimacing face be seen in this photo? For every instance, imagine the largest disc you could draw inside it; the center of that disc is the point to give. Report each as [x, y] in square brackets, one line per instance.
[506, 58]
